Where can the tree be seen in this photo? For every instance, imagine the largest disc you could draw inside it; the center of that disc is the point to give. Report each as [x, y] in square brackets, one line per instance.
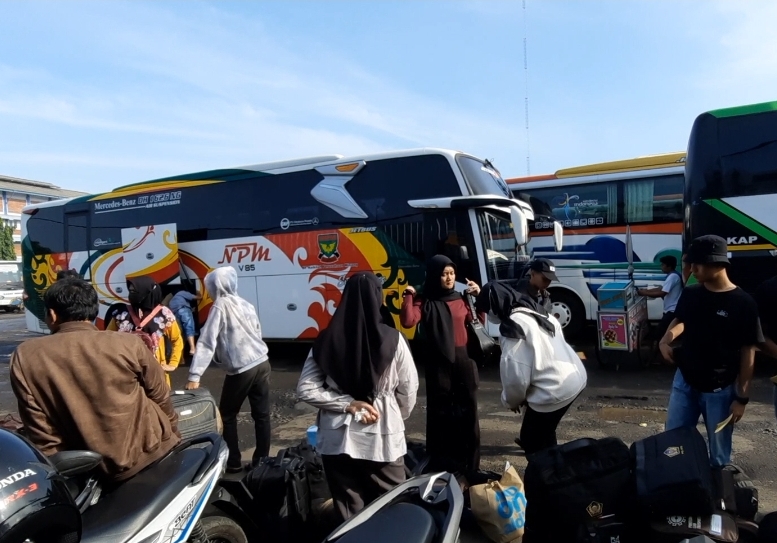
[7, 249]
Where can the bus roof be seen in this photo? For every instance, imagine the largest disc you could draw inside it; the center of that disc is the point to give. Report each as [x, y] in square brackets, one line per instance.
[763, 107]
[255, 170]
[649, 162]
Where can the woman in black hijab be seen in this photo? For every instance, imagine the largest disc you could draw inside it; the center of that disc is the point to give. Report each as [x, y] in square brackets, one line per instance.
[452, 426]
[147, 314]
[362, 378]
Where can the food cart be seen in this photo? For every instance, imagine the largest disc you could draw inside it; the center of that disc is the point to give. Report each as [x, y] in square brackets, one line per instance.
[622, 324]
[622, 321]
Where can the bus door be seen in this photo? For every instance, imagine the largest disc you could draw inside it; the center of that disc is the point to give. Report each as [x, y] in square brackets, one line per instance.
[449, 232]
[152, 251]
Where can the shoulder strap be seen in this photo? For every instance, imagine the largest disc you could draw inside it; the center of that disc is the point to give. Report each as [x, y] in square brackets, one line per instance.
[471, 305]
[145, 321]
[680, 275]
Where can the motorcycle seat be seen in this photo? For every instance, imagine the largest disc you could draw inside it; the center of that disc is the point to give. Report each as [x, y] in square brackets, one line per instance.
[132, 506]
[405, 522]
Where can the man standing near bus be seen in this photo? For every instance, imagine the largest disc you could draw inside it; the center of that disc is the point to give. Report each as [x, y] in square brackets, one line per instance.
[669, 291]
[542, 273]
[720, 328]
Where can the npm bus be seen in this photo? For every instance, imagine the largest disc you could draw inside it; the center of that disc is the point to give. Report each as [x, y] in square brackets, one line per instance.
[293, 231]
[595, 203]
[731, 187]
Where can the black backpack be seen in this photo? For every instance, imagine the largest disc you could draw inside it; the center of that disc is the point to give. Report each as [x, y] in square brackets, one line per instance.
[284, 488]
[569, 485]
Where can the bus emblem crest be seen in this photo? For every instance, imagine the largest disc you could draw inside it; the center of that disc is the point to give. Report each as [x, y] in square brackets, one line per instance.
[327, 245]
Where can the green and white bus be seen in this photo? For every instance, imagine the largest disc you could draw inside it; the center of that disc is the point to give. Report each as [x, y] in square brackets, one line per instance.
[731, 187]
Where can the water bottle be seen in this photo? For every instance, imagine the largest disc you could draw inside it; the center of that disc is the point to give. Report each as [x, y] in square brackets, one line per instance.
[312, 435]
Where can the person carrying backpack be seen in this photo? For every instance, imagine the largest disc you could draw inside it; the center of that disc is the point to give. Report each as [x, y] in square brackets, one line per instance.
[150, 321]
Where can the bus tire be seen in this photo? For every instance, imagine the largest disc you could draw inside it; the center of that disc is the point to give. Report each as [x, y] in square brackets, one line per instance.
[569, 310]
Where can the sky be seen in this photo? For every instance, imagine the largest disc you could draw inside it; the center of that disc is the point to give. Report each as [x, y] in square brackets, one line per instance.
[94, 95]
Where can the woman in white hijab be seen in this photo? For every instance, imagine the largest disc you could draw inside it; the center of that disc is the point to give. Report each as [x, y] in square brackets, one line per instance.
[233, 335]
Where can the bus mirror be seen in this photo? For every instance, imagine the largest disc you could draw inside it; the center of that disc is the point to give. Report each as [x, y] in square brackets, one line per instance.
[520, 228]
[558, 236]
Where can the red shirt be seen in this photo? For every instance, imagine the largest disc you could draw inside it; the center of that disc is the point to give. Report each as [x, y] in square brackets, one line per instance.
[411, 316]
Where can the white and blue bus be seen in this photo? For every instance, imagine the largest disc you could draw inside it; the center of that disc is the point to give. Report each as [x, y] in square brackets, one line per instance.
[595, 203]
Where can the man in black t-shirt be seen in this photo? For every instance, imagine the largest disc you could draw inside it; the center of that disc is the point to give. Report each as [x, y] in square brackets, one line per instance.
[720, 331]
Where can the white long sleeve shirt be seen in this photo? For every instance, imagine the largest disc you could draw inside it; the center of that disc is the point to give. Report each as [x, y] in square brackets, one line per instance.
[542, 370]
[339, 433]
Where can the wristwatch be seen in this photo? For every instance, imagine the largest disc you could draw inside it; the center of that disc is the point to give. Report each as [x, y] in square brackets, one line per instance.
[740, 400]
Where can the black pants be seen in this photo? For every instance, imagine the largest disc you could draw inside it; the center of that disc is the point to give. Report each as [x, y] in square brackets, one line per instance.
[253, 384]
[663, 324]
[538, 430]
[355, 484]
[452, 425]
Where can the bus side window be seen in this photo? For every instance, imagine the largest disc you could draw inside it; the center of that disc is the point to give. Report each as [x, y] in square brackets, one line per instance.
[654, 199]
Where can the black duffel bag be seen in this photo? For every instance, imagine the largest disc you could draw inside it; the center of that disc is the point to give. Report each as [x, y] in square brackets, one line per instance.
[735, 492]
[673, 475]
[284, 489]
[569, 485]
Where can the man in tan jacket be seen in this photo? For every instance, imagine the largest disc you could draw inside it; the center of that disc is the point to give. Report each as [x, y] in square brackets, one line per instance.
[81, 388]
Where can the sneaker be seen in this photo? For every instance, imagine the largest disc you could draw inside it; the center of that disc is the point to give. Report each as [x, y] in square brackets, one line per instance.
[235, 469]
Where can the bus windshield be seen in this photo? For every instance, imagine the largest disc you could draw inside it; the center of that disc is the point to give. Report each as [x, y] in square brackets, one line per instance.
[499, 245]
[483, 177]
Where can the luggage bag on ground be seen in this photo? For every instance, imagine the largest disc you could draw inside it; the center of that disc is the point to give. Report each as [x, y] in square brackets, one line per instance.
[285, 488]
[673, 475]
[719, 527]
[735, 492]
[197, 411]
[569, 485]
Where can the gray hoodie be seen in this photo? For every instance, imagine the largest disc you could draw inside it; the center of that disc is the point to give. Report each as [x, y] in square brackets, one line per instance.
[232, 332]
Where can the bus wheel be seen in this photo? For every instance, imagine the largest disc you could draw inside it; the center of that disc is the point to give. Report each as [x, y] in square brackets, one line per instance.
[569, 311]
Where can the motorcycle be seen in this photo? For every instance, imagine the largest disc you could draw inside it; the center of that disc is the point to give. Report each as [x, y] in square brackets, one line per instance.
[166, 502]
[426, 508]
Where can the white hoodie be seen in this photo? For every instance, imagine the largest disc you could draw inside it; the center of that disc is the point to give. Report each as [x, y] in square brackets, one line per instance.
[232, 332]
[542, 370]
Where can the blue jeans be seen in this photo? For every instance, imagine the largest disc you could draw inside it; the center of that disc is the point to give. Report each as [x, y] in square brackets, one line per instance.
[685, 406]
[185, 319]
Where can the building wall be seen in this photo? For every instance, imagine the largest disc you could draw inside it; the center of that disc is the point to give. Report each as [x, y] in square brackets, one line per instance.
[11, 213]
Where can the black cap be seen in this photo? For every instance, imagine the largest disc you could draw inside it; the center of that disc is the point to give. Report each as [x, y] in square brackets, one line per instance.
[707, 250]
[545, 267]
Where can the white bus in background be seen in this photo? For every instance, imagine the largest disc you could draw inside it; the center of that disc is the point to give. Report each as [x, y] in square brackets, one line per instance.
[11, 286]
[594, 204]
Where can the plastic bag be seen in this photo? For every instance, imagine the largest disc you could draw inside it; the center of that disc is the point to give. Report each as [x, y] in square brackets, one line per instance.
[500, 507]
